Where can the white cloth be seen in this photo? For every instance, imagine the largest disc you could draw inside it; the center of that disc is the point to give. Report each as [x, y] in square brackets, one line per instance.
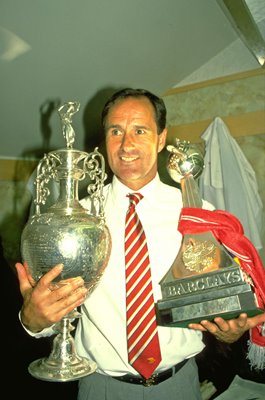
[229, 182]
[244, 390]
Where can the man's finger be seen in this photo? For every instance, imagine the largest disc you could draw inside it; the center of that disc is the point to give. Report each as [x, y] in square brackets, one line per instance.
[49, 276]
[24, 282]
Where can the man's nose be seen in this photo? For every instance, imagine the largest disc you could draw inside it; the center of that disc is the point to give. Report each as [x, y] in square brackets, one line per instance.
[127, 141]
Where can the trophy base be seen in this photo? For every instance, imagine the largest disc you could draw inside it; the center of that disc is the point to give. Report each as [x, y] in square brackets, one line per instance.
[223, 293]
[50, 370]
[227, 303]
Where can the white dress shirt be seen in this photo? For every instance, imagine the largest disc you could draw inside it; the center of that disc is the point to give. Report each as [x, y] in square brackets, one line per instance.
[101, 332]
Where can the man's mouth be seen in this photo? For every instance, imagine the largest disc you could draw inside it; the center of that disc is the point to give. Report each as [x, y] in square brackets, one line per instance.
[128, 159]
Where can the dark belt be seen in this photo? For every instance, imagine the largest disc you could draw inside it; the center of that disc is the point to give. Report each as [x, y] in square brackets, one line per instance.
[154, 379]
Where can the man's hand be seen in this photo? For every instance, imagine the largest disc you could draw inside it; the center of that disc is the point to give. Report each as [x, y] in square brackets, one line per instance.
[45, 303]
[229, 331]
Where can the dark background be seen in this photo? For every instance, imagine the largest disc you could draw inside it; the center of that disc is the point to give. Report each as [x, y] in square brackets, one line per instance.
[19, 349]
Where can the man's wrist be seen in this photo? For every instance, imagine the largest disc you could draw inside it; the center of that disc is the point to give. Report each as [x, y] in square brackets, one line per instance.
[36, 333]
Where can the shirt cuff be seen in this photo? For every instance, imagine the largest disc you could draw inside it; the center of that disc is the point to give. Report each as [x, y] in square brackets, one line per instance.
[45, 332]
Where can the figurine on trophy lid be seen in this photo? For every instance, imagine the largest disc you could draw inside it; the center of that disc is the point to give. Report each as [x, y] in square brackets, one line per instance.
[204, 281]
[69, 234]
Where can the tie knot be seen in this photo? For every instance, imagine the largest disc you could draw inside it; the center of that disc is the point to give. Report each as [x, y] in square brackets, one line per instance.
[135, 198]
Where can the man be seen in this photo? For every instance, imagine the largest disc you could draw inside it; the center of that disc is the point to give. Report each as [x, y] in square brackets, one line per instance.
[135, 129]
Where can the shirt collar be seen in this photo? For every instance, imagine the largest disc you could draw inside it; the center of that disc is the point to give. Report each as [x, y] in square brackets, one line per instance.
[120, 191]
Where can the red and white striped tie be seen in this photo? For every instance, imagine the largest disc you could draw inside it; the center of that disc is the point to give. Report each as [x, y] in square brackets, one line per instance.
[142, 336]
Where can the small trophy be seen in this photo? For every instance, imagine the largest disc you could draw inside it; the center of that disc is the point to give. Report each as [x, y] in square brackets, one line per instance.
[204, 281]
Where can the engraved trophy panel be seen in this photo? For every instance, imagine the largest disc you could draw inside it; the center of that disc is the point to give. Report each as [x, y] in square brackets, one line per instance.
[204, 280]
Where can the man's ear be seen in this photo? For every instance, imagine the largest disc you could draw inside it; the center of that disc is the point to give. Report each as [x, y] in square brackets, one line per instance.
[162, 138]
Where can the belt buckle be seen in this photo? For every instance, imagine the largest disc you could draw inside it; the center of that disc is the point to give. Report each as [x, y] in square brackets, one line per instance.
[151, 381]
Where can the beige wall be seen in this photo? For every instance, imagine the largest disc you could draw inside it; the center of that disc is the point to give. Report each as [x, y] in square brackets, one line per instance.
[238, 99]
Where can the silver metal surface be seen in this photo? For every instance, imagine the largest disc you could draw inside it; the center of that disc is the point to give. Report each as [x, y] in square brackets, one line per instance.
[69, 234]
[184, 159]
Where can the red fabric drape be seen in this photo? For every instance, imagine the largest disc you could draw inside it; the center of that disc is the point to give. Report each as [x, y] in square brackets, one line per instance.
[228, 230]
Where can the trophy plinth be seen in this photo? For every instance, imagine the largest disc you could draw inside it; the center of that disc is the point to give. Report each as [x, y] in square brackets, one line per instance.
[190, 300]
[204, 281]
[63, 364]
[69, 234]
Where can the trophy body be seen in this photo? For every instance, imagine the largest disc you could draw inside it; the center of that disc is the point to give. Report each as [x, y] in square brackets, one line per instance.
[204, 281]
[69, 234]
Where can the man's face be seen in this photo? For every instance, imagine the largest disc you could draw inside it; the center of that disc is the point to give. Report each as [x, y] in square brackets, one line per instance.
[132, 141]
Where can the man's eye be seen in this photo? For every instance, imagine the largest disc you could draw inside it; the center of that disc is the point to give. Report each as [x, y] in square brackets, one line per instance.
[139, 131]
[116, 132]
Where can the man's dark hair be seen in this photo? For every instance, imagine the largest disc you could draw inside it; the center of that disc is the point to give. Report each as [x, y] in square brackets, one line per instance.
[157, 103]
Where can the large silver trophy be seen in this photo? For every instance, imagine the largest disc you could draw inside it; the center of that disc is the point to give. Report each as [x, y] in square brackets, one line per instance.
[204, 280]
[69, 234]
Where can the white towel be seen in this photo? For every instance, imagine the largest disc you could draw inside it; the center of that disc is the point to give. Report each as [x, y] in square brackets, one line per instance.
[229, 182]
[243, 389]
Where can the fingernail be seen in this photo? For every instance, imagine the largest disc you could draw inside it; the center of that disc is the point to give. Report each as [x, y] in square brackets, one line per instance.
[78, 280]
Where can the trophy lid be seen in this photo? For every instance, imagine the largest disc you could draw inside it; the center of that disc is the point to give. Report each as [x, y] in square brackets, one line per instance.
[184, 159]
